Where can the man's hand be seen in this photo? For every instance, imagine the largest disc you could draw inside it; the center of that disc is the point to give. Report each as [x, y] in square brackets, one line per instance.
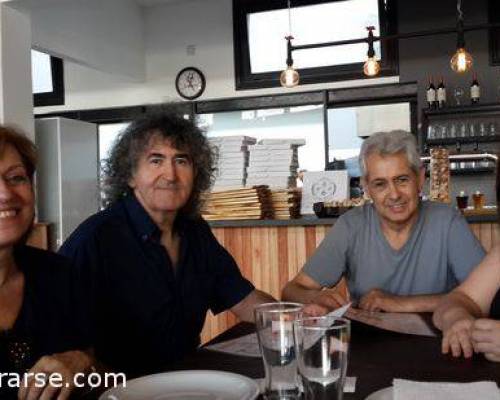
[314, 310]
[66, 364]
[330, 299]
[486, 338]
[378, 300]
[457, 338]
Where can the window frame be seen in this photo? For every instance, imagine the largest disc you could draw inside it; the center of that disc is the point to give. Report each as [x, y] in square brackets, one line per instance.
[56, 97]
[245, 79]
[494, 33]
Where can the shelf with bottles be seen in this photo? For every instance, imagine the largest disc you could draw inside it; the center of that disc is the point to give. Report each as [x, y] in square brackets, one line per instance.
[473, 124]
[468, 163]
[440, 97]
[463, 140]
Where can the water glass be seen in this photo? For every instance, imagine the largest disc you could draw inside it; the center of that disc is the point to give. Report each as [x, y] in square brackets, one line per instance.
[458, 93]
[274, 324]
[482, 129]
[493, 129]
[322, 345]
[453, 130]
[462, 128]
[431, 132]
[473, 129]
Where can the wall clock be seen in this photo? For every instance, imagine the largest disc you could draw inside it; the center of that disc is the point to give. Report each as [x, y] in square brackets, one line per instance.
[190, 83]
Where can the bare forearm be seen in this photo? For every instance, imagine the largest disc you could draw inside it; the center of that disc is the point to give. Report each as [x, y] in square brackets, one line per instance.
[298, 293]
[244, 309]
[378, 300]
[421, 303]
[454, 307]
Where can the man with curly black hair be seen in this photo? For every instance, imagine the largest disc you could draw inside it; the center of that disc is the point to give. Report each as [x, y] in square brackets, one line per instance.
[151, 264]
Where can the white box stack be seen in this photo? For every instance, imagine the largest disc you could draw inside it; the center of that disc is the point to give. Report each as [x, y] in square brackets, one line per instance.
[274, 162]
[232, 160]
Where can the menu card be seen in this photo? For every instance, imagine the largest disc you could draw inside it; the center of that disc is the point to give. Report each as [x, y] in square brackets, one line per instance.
[408, 323]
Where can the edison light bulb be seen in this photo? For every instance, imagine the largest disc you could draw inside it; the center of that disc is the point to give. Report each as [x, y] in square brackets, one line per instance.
[461, 61]
[289, 77]
[371, 67]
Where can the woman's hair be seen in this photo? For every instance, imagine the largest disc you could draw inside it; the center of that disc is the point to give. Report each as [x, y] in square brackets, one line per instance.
[23, 145]
[389, 143]
[163, 123]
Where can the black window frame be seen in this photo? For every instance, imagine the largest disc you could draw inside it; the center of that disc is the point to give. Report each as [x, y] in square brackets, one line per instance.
[244, 79]
[56, 96]
[494, 33]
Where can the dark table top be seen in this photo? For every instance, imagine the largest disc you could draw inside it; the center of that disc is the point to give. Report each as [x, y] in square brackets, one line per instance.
[376, 357]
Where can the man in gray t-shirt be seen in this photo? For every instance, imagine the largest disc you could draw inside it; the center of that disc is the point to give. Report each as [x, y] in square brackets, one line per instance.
[398, 253]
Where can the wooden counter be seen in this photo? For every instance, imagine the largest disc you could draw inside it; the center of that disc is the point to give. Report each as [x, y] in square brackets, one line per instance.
[269, 255]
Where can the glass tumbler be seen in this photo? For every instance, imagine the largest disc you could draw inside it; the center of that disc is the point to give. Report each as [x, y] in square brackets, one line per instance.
[322, 350]
[274, 324]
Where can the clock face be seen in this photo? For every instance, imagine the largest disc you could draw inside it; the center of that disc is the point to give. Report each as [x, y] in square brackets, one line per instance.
[190, 83]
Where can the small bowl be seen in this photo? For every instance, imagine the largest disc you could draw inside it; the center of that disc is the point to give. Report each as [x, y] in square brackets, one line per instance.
[323, 211]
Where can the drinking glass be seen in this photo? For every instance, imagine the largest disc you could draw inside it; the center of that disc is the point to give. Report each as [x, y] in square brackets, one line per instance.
[453, 129]
[473, 129]
[274, 324]
[322, 345]
[431, 132]
[478, 200]
[458, 93]
[482, 129]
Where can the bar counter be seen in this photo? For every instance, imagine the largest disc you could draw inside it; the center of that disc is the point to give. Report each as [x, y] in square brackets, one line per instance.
[271, 252]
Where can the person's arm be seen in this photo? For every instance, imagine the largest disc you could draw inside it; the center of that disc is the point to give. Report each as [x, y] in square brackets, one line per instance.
[244, 309]
[232, 291]
[378, 300]
[455, 307]
[456, 314]
[306, 290]
[322, 271]
[473, 297]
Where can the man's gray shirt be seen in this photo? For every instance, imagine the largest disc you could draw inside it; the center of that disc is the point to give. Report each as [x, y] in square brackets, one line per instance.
[440, 253]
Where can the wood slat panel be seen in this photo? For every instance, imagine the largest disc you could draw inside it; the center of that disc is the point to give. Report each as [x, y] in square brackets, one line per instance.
[270, 256]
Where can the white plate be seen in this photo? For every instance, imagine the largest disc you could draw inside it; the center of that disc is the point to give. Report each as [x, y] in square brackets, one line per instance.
[186, 385]
[382, 394]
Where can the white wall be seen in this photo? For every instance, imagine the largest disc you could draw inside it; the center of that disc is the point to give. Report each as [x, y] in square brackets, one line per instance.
[16, 98]
[168, 30]
[106, 35]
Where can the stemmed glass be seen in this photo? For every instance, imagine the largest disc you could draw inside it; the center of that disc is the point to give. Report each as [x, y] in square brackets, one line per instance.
[458, 93]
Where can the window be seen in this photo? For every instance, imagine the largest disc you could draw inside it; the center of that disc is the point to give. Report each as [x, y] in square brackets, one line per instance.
[303, 122]
[107, 135]
[494, 34]
[348, 126]
[260, 48]
[48, 80]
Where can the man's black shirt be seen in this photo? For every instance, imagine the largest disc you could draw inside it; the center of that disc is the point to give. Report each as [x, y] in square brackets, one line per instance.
[143, 313]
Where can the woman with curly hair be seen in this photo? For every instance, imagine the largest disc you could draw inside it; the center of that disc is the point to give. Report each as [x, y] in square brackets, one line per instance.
[151, 264]
[470, 315]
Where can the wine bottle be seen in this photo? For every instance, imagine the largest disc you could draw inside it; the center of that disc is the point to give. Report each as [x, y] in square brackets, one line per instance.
[441, 94]
[431, 94]
[475, 90]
